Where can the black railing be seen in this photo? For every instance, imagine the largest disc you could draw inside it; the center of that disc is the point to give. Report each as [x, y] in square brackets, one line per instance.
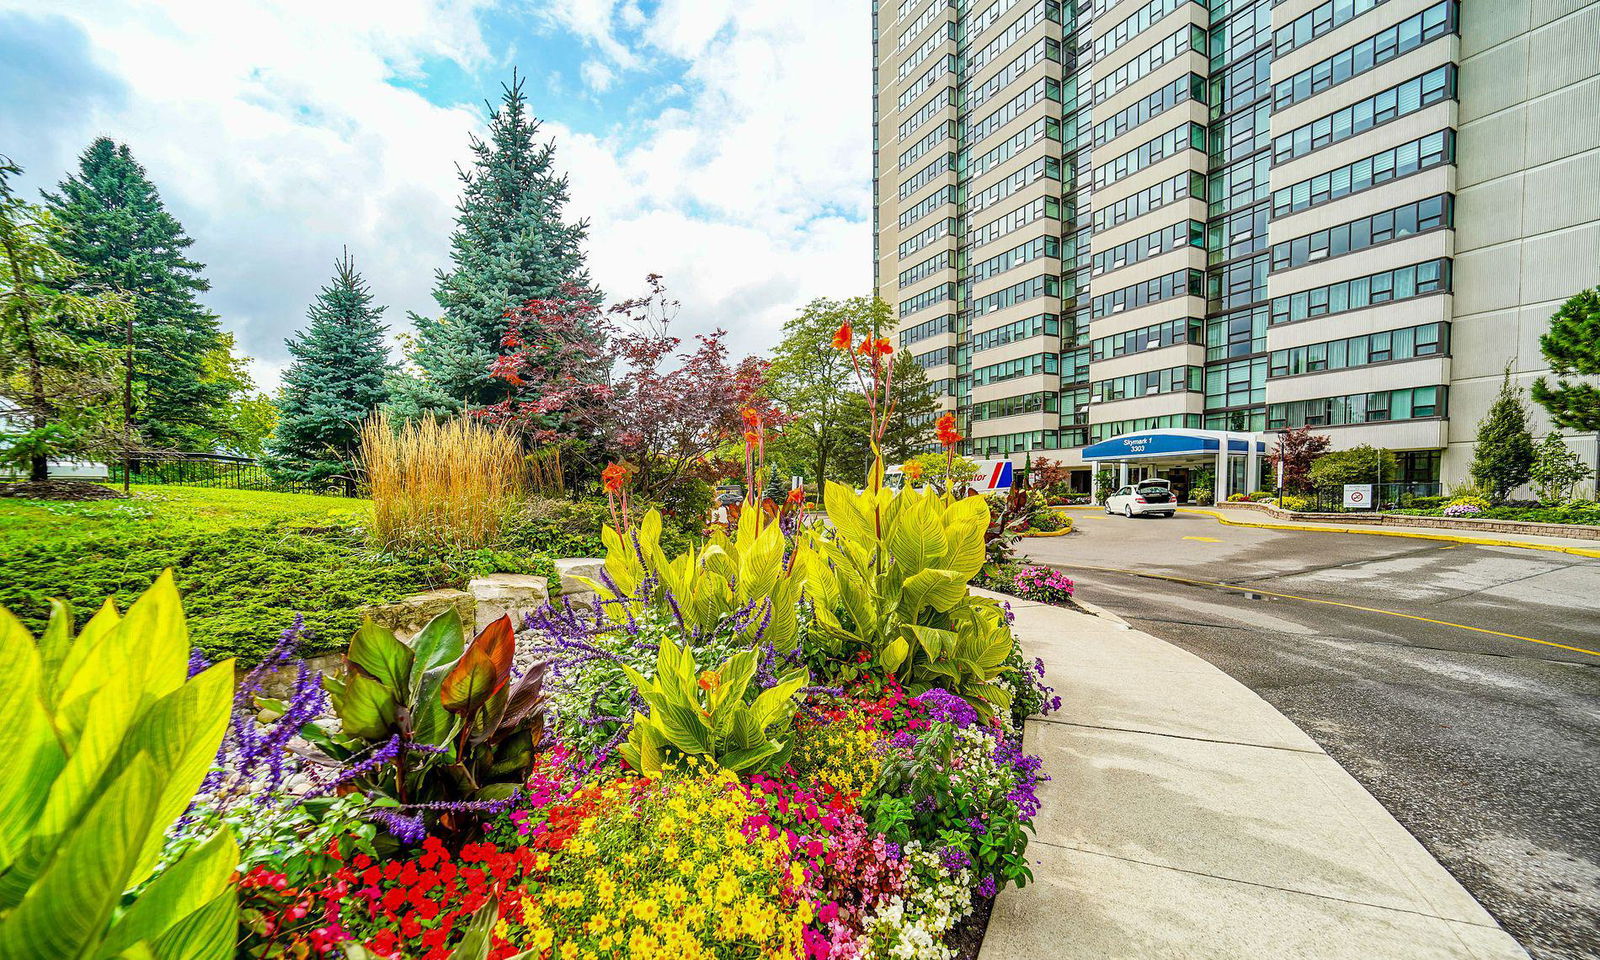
[219, 471]
[1384, 496]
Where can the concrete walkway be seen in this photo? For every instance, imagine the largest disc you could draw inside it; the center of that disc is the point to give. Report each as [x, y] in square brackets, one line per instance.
[1186, 818]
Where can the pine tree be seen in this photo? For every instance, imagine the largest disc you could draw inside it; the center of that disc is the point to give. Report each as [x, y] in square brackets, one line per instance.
[116, 228]
[910, 430]
[339, 376]
[510, 246]
[1503, 457]
[1572, 349]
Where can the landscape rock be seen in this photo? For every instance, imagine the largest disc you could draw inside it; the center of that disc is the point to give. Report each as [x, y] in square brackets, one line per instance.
[407, 617]
[571, 568]
[516, 594]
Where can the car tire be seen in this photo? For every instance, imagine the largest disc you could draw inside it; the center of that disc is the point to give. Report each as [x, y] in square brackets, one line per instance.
[1127, 511]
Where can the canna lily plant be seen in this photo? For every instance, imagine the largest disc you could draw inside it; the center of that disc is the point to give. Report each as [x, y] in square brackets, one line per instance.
[434, 721]
[106, 740]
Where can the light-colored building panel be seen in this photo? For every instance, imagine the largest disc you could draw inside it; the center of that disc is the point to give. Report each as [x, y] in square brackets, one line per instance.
[1147, 315]
[1387, 196]
[1153, 405]
[1189, 208]
[1436, 116]
[1014, 387]
[1389, 434]
[1158, 358]
[1417, 248]
[1355, 323]
[1402, 68]
[1421, 372]
[1158, 265]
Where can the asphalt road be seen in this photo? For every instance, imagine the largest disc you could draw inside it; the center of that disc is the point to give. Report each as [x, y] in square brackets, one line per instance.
[1485, 746]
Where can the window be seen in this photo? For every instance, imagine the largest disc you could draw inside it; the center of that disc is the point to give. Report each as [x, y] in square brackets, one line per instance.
[1325, 17]
[944, 131]
[1188, 136]
[1186, 39]
[1402, 161]
[1190, 86]
[929, 234]
[1397, 101]
[1046, 49]
[943, 260]
[1045, 128]
[939, 294]
[1411, 403]
[1236, 334]
[928, 328]
[1150, 198]
[1021, 367]
[1185, 233]
[1154, 337]
[1437, 21]
[1236, 384]
[1044, 89]
[1042, 12]
[1044, 168]
[1042, 208]
[1045, 324]
[928, 174]
[908, 96]
[927, 206]
[1409, 343]
[1135, 24]
[1040, 286]
[945, 99]
[1395, 224]
[1116, 428]
[1402, 283]
[1179, 283]
[1146, 383]
[1045, 401]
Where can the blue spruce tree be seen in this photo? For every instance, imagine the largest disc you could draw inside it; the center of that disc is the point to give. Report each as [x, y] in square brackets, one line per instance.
[339, 376]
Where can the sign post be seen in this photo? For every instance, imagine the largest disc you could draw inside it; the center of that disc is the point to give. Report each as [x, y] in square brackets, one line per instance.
[1358, 496]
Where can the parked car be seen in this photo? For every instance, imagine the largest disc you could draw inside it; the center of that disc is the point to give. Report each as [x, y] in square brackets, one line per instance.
[728, 498]
[1147, 498]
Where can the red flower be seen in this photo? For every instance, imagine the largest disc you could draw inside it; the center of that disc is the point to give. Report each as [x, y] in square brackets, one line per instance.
[883, 347]
[797, 496]
[843, 337]
[866, 347]
[912, 470]
[615, 477]
[751, 438]
[945, 426]
[751, 418]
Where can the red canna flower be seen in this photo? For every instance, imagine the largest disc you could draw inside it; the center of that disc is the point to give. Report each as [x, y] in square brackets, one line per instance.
[752, 419]
[945, 426]
[797, 495]
[615, 477]
[883, 347]
[843, 337]
[752, 438]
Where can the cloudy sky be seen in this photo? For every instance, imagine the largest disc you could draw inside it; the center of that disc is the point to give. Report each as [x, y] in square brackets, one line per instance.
[723, 143]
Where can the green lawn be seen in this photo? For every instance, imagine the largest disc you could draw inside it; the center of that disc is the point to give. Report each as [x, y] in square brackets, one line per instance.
[245, 561]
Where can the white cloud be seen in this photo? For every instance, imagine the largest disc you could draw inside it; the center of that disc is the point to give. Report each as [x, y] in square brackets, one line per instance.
[598, 76]
[277, 135]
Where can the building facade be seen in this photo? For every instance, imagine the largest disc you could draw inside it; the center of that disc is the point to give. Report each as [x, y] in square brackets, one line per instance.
[1103, 217]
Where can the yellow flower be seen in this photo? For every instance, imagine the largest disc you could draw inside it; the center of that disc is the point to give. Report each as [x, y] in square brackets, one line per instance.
[569, 951]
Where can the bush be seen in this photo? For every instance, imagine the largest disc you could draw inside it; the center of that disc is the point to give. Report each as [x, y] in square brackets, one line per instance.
[1463, 510]
[1238, 497]
[1426, 503]
[1479, 503]
[1296, 503]
[1262, 496]
[1363, 464]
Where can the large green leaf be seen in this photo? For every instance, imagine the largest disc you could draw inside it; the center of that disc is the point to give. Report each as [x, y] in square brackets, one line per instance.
[936, 588]
[916, 541]
[206, 934]
[377, 651]
[32, 755]
[366, 708]
[65, 912]
[196, 879]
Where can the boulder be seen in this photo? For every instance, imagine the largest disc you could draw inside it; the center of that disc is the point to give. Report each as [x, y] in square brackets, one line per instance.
[407, 617]
[516, 594]
[571, 568]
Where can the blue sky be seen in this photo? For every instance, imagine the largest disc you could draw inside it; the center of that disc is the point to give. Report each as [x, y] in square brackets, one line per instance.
[723, 143]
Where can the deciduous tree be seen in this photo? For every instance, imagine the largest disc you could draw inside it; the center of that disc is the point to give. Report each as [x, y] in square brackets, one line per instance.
[1556, 469]
[1296, 450]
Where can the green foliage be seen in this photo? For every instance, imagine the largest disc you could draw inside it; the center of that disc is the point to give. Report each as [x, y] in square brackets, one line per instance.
[1360, 464]
[1572, 349]
[707, 714]
[814, 384]
[1556, 469]
[1502, 458]
[1105, 483]
[914, 410]
[341, 365]
[106, 741]
[705, 588]
[479, 729]
[1295, 503]
[893, 583]
[1482, 503]
[510, 245]
[117, 228]
[939, 470]
[248, 562]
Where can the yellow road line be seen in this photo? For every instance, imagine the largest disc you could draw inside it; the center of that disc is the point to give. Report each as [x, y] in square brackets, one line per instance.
[1415, 535]
[1331, 603]
[1204, 539]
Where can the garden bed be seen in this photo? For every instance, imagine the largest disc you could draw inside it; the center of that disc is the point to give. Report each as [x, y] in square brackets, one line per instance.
[1402, 519]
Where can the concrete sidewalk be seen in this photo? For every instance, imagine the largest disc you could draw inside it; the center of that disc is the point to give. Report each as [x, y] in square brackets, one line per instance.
[1577, 546]
[1186, 818]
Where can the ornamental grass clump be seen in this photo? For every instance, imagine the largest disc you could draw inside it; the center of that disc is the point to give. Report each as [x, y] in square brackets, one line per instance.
[442, 486]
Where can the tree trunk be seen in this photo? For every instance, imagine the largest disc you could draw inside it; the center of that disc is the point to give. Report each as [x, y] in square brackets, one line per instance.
[39, 468]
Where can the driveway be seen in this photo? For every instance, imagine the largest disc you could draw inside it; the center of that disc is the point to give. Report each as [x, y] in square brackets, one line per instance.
[1459, 684]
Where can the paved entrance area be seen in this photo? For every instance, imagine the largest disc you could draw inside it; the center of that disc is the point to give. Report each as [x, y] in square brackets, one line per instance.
[1187, 818]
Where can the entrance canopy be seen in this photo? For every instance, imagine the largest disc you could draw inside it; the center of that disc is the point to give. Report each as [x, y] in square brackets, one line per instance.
[1172, 443]
[1235, 454]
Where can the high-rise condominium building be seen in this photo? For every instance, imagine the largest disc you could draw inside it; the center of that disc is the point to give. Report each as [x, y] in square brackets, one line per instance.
[1107, 218]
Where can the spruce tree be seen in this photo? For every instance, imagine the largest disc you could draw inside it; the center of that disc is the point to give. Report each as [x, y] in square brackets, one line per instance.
[115, 227]
[510, 245]
[1572, 349]
[910, 430]
[339, 375]
[1503, 457]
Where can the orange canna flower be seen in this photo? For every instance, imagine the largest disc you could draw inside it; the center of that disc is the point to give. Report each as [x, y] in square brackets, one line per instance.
[912, 470]
[615, 477]
[883, 347]
[843, 337]
[945, 426]
[797, 495]
[751, 418]
[866, 347]
[752, 438]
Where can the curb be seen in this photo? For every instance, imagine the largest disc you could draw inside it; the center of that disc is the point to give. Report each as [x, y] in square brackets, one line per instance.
[1046, 533]
[1447, 537]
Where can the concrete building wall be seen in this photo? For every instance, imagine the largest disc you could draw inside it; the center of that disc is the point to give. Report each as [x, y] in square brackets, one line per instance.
[1528, 188]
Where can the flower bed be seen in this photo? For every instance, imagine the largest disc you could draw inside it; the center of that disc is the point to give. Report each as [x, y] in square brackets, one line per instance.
[794, 740]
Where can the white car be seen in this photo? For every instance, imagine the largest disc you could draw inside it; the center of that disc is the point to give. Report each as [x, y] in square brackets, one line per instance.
[1147, 498]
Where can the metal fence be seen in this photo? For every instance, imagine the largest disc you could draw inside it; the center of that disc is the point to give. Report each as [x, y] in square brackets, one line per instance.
[219, 471]
[1385, 496]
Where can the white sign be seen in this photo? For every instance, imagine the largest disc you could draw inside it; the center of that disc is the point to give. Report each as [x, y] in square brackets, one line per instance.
[1358, 496]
